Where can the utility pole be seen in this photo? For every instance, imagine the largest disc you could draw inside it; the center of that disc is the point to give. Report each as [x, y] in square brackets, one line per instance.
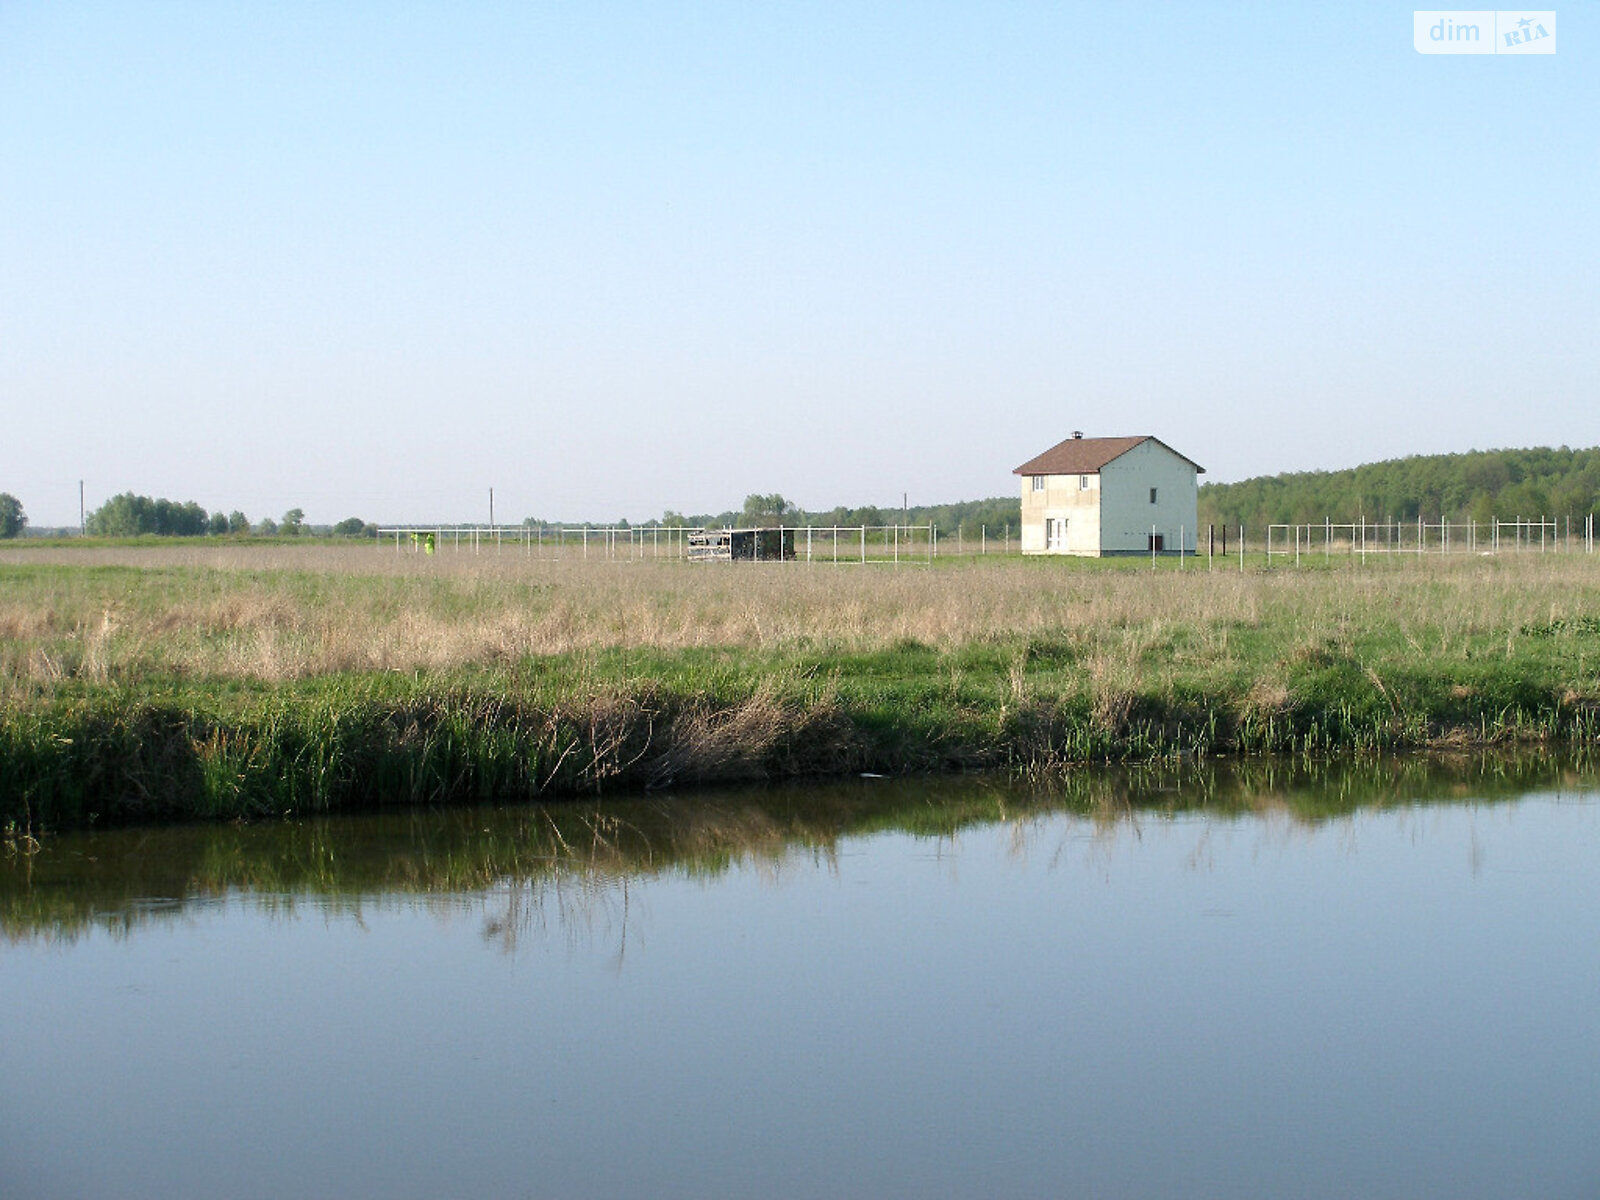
[491, 508]
[83, 527]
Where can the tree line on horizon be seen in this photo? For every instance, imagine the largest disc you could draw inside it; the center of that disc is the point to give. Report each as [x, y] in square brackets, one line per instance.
[773, 509]
[1478, 485]
[131, 515]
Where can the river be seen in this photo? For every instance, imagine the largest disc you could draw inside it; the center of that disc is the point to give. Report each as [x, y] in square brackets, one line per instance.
[1378, 979]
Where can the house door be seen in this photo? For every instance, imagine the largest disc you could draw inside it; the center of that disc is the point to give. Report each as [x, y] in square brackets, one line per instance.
[1157, 542]
[1055, 533]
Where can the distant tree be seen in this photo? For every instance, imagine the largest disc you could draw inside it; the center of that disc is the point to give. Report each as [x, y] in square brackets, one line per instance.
[129, 515]
[124, 515]
[12, 518]
[351, 527]
[267, 527]
[293, 523]
[218, 524]
[238, 522]
[768, 508]
[186, 520]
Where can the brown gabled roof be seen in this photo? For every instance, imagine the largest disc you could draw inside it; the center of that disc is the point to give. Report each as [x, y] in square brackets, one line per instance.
[1085, 456]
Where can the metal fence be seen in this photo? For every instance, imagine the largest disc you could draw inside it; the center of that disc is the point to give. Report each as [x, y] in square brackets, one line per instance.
[1421, 537]
[863, 544]
[979, 540]
[842, 544]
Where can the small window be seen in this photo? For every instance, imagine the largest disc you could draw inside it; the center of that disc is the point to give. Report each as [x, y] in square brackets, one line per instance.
[1152, 495]
[1038, 483]
[1083, 483]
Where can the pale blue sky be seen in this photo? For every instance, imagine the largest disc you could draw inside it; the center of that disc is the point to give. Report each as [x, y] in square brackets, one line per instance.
[613, 259]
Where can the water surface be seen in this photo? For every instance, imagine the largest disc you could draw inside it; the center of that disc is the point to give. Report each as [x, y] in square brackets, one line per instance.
[1372, 981]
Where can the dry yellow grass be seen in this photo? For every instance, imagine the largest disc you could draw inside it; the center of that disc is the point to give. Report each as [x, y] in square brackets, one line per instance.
[279, 613]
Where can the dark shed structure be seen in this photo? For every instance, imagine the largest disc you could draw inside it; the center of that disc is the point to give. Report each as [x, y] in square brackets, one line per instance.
[741, 545]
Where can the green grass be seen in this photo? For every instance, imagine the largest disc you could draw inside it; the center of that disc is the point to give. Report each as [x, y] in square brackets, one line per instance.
[627, 720]
[167, 687]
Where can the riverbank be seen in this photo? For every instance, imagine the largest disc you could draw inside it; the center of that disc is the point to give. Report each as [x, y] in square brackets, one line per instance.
[181, 689]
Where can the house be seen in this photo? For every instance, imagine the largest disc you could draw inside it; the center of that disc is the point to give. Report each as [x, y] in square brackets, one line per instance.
[1109, 495]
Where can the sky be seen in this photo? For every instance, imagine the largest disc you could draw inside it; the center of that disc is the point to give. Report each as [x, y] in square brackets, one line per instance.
[615, 259]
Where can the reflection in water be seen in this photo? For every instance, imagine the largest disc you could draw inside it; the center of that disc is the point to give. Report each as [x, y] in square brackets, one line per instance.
[1261, 979]
[566, 868]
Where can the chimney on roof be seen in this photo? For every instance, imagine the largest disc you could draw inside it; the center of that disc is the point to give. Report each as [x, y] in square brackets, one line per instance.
[1077, 435]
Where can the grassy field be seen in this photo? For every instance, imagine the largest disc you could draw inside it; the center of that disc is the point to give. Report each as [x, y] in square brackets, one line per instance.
[148, 681]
